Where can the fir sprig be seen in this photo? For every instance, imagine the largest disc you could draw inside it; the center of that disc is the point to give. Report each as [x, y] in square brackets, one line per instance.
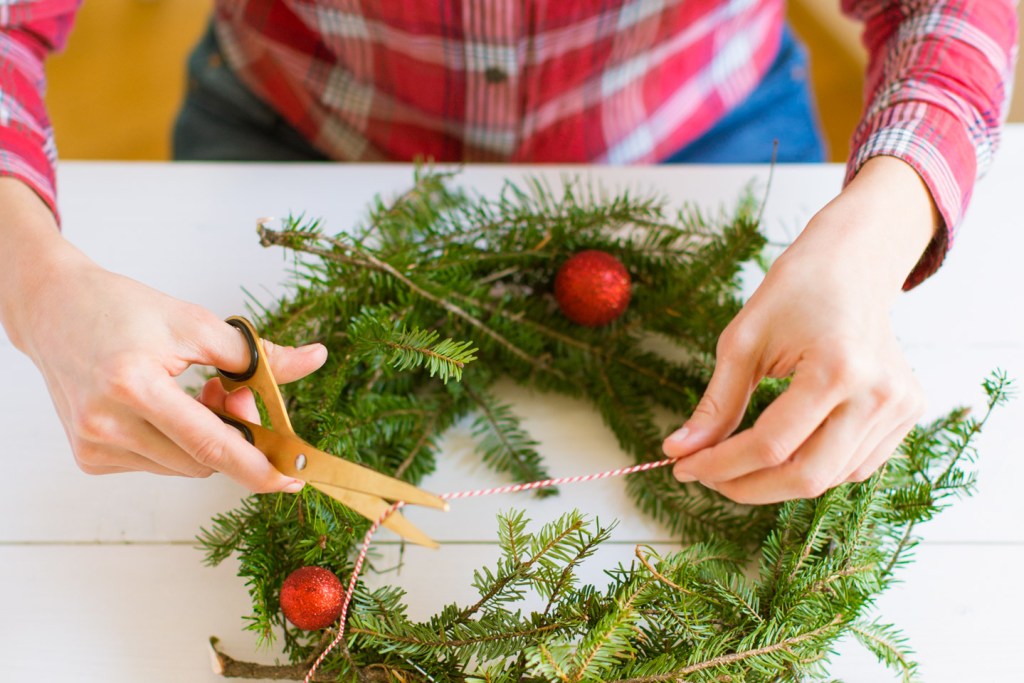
[407, 348]
[438, 265]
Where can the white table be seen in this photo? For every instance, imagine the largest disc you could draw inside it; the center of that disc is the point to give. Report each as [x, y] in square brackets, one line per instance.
[99, 580]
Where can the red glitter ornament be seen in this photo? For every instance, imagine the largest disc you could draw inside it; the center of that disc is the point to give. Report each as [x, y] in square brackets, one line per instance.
[592, 288]
[311, 598]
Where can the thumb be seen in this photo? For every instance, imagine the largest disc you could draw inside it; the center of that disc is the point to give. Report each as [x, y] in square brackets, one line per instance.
[290, 363]
[720, 409]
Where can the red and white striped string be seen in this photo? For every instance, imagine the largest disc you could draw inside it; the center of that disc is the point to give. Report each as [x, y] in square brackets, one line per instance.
[474, 493]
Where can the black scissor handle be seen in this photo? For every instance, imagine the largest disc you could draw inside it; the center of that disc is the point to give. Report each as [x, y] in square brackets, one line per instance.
[239, 425]
[253, 353]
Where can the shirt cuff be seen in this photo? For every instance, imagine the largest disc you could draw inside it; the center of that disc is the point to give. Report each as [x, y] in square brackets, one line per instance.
[936, 145]
[25, 160]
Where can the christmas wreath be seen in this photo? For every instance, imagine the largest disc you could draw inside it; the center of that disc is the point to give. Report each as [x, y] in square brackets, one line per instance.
[562, 290]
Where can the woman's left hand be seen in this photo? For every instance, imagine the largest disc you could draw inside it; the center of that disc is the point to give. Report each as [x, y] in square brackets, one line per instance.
[821, 316]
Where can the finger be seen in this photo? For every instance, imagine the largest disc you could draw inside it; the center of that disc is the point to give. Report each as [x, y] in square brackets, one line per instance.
[242, 404]
[841, 442]
[201, 434]
[96, 458]
[212, 341]
[882, 453]
[239, 403]
[213, 394]
[875, 435]
[290, 363]
[780, 430]
[721, 408]
[115, 430]
[913, 409]
[215, 342]
[149, 442]
[100, 470]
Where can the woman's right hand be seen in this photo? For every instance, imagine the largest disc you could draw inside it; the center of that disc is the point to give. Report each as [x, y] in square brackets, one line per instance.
[109, 349]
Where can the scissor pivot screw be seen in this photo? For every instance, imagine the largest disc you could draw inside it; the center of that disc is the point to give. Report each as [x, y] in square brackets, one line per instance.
[300, 462]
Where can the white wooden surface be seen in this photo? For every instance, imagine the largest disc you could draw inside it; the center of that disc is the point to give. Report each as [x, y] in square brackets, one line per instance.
[98, 577]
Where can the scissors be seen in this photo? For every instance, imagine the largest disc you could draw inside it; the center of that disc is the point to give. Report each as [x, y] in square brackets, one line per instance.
[360, 488]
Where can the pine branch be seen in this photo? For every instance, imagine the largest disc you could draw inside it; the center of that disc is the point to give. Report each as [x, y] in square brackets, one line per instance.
[504, 444]
[561, 583]
[609, 640]
[449, 643]
[889, 646]
[425, 435]
[560, 531]
[812, 539]
[365, 259]
[409, 347]
[599, 354]
[998, 388]
[783, 645]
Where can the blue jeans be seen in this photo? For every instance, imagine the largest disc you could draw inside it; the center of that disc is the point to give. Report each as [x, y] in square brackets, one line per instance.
[780, 108]
[222, 119]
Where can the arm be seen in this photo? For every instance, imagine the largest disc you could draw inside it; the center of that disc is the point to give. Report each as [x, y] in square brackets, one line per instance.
[29, 31]
[937, 85]
[822, 314]
[109, 348]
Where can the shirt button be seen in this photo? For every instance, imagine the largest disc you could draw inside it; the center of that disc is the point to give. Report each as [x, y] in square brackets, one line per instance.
[494, 75]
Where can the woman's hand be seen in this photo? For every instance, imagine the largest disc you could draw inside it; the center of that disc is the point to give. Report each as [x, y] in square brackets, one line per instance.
[821, 316]
[109, 349]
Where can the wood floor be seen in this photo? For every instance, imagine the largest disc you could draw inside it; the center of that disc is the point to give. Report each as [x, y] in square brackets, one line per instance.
[114, 92]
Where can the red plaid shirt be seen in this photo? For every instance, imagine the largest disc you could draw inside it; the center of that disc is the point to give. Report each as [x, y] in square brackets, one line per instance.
[617, 81]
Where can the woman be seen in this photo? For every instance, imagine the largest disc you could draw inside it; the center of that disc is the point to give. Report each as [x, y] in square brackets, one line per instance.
[606, 82]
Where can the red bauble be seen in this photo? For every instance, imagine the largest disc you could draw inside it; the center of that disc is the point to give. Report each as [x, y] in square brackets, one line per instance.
[311, 598]
[592, 288]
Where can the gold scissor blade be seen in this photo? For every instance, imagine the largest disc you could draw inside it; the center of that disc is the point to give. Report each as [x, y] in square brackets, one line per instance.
[373, 508]
[324, 468]
[294, 457]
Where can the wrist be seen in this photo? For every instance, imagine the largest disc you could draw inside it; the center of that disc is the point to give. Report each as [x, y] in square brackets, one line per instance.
[31, 251]
[875, 231]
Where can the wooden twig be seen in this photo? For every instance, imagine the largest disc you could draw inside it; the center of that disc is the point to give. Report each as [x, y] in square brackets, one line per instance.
[367, 260]
[229, 667]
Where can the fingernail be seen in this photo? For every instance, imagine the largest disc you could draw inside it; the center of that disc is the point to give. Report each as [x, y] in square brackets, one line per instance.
[295, 486]
[679, 435]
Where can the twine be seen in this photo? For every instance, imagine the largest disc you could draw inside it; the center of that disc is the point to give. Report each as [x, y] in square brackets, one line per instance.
[473, 493]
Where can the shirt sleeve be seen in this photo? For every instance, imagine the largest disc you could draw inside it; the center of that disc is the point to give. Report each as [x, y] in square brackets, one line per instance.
[29, 31]
[938, 83]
